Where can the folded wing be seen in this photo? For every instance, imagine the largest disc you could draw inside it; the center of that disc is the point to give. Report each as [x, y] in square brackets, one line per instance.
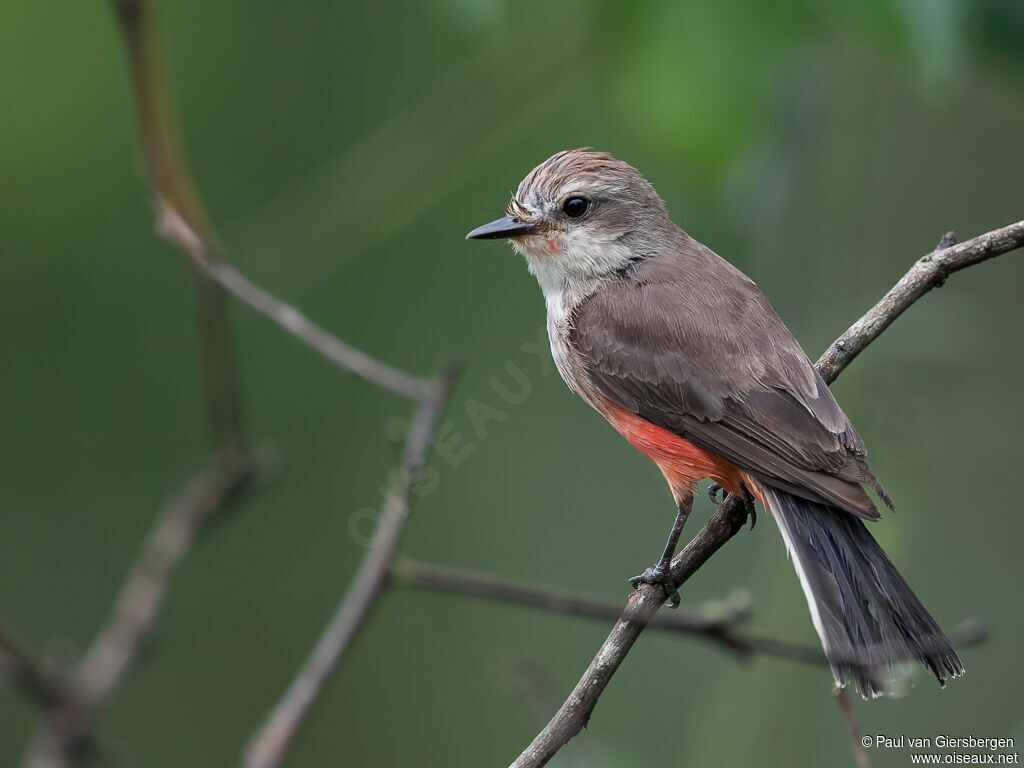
[713, 362]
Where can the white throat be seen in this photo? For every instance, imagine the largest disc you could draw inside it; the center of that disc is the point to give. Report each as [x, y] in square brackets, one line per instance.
[571, 265]
[570, 268]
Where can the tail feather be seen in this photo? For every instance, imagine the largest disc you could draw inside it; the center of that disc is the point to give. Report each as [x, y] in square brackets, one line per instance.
[869, 620]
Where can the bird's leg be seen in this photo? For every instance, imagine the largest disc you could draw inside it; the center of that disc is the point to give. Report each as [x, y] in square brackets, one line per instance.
[661, 574]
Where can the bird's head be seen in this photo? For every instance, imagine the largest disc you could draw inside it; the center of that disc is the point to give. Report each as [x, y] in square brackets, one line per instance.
[578, 217]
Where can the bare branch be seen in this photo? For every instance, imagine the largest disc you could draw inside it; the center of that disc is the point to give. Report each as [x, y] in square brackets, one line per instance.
[966, 633]
[179, 211]
[177, 199]
[860, 755]
[117, 644]
[640, 609]
[312, 335]
[181, 219]
[26, 672]
[714, 623]
[928, 272]
[269, 744]
[143, 592]
[706, 621]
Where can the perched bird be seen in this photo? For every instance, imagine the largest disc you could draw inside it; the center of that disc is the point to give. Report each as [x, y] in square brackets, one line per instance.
[688, 360]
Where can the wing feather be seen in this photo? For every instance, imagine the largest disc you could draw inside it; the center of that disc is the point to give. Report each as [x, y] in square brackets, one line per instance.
[720, 369]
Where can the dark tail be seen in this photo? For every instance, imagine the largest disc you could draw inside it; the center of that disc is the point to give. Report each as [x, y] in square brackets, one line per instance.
[869, 620]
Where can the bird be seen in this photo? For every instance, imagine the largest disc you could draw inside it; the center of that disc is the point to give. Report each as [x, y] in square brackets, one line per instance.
[688, 360]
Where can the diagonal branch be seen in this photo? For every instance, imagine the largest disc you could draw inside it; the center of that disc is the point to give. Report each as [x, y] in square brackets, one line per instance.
[269, 744]
[175, 228]
[930, 271]
[26, 672]
[640, 609]
[137, 605]
[66, 725]
[312, 335]
[65, 729]
[860, 754]
[181, 220]
[927, 272]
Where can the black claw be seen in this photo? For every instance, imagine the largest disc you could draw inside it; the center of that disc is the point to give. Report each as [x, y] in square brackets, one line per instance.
[713, 490]
[748, 501]
[663, 578]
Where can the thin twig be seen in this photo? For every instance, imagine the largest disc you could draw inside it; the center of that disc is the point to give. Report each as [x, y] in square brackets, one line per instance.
[966, 633]
[312, 335]
[930, 271]
[181, 219]
[26, 672]
[927, 273]
[175, 190]
[65, 728]
[143, 592]
[716, 624]
[860, 755]
[269, 744]
[705, 621]
[67, 724]
[173, 227]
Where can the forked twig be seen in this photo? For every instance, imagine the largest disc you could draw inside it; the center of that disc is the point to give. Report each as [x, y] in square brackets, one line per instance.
[173, 188]
[268, 745]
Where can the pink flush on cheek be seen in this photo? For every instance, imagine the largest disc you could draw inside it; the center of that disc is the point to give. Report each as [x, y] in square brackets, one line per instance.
[553, 248]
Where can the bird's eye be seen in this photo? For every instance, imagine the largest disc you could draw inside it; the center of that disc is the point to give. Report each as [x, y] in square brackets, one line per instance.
[575, 207]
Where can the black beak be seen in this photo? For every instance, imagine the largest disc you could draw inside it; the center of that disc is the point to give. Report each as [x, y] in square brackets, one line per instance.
[506, 226]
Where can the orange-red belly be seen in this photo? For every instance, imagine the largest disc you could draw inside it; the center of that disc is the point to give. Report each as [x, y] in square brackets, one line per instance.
[681, 462]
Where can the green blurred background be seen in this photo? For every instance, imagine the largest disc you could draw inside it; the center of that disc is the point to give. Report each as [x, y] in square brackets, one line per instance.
[344, 149]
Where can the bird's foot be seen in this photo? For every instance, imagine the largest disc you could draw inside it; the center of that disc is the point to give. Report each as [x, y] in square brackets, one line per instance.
[748, 505]
[713, 490]
[661, 575]
[747, 500]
